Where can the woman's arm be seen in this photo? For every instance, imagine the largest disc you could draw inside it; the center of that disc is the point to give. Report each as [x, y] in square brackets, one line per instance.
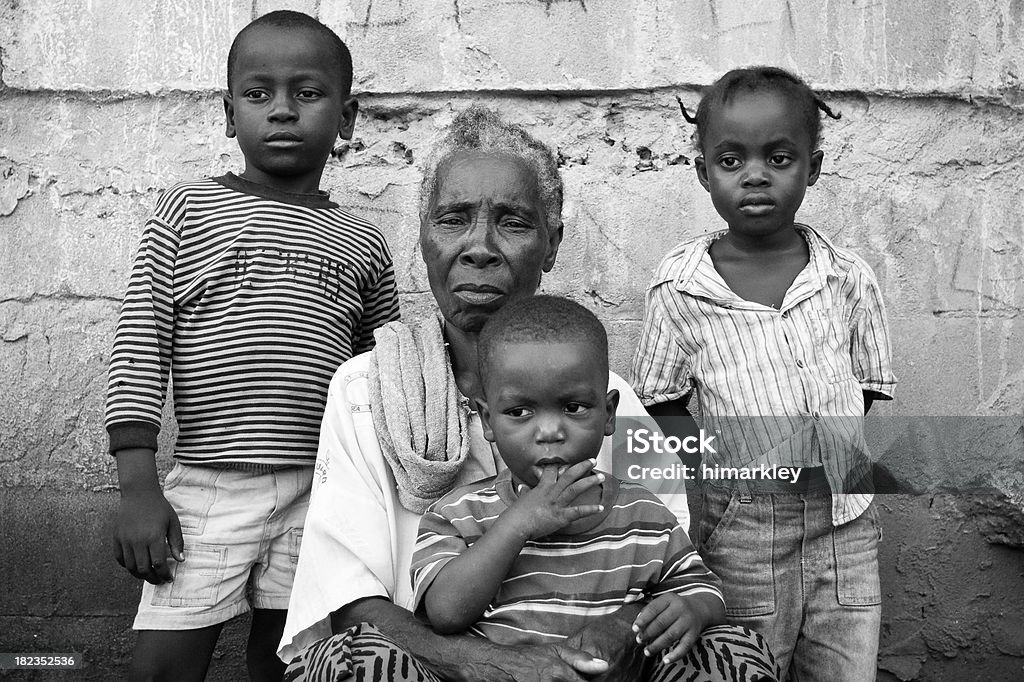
[460, 657]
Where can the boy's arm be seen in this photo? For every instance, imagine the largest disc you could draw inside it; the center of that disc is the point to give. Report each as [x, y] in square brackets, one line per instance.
[146, 531]
[462, 588]
[380, 306]
[139, 368]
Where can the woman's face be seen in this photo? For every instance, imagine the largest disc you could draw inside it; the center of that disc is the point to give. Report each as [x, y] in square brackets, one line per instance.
[485, 238]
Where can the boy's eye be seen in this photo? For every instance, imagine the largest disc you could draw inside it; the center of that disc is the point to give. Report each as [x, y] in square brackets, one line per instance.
[308, 93]
[729, 162]
[255, 95]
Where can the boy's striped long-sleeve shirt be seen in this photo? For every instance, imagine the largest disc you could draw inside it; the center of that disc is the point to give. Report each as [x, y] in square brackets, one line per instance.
[248, 299]
[637, 550]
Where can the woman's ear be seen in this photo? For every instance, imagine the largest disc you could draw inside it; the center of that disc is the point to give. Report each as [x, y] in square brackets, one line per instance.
[612, 406]
[554, 241]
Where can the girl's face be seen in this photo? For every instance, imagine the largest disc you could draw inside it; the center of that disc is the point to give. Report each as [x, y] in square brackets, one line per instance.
[757, 163]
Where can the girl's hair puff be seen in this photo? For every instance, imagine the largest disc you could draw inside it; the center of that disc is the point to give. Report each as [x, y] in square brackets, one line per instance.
[761, 79]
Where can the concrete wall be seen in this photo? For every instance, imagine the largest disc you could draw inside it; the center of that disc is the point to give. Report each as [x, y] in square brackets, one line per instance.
[103, 103]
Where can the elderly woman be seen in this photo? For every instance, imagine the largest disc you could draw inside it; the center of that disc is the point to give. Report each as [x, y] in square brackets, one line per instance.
[400, 431]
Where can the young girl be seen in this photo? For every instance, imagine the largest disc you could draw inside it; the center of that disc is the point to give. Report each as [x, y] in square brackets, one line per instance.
[780, 338]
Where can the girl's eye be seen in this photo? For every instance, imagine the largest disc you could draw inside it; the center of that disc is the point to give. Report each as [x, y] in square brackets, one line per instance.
[729, 162]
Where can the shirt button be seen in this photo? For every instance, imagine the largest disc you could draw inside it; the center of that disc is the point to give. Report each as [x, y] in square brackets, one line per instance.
[816, 415]
[800, 364]
[785, 315]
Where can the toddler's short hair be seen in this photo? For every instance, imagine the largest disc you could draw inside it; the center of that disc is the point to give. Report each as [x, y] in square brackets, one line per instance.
[761, 79]
[542, 319]
[478, 129]
[289, 19]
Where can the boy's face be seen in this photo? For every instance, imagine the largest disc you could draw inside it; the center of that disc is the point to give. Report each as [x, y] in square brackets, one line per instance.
[287, 107]
[547, 404]
[757, 163]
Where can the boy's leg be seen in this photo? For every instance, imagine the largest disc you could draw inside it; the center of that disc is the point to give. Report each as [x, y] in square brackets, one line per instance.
[839, 638]
[261, 652]
[274, 571]
[173, 654]
[223, 515]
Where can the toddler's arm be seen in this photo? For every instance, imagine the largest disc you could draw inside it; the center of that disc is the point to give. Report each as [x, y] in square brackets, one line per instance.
[463, 588]
[673, 622]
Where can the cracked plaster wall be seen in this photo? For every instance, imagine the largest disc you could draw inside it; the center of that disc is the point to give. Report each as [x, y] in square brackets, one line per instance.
[103, 103]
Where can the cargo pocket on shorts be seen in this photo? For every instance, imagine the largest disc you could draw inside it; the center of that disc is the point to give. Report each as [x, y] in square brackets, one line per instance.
[294, 544]
[856, 548]
[736, 543]
[197, 580]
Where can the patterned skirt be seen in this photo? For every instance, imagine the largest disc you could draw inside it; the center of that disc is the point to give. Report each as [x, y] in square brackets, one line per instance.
[724, 653]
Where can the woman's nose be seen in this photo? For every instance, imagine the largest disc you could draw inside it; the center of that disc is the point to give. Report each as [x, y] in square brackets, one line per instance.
[480, 248]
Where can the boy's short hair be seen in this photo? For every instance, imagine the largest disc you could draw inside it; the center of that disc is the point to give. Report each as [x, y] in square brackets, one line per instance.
[542, 319]
[478, 129]
[287, 19]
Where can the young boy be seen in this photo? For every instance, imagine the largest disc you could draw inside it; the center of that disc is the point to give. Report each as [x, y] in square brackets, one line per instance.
[780, 338]
[249, 290]
[526, 557]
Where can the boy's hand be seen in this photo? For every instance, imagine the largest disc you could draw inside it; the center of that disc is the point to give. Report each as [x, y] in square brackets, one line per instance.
[671, 622]
[146, 535]
[549, 506]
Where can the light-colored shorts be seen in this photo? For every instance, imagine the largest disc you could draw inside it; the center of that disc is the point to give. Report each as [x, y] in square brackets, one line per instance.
[238, 526]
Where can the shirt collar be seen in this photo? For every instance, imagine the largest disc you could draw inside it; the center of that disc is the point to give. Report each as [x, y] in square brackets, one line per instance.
[698, 277]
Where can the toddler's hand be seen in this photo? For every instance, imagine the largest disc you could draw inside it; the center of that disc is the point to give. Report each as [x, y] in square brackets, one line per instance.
[670, 623]
[550, 505]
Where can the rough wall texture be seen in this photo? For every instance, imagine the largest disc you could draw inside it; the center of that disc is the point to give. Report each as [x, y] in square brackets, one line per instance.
[103, 103]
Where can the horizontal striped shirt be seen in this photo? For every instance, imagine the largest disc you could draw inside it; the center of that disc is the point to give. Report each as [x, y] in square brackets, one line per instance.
[248, 299]
[636, 550]
[782, 387]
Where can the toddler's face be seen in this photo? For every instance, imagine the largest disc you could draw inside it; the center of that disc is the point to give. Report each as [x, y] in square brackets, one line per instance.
[547, 404]
[757, 162]
[287, 107]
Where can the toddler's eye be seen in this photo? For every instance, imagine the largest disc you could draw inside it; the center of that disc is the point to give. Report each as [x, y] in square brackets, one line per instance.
[576, 408]
[780, 159]
[518, 412]
[729, 162]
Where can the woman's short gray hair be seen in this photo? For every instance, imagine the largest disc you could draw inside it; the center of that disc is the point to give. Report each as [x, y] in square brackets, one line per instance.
[478, 129]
